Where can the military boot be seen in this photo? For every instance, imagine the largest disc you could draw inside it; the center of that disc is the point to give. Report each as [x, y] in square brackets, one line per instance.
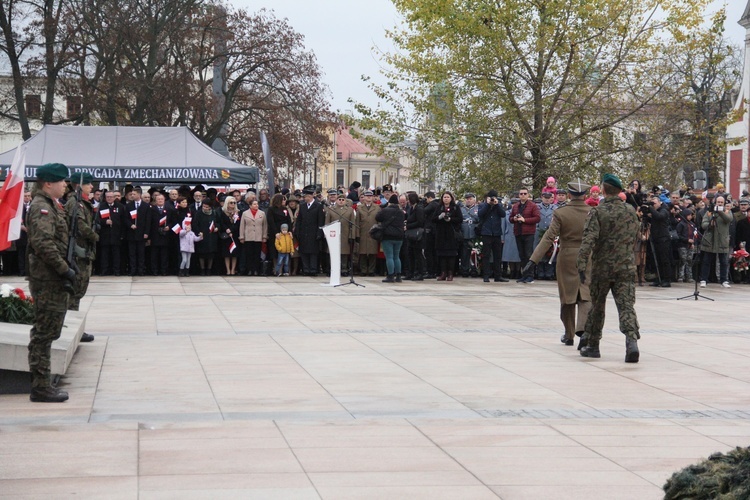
[48, 395]
[389, 279]
[591, 350]
[632, 354]
[565, 340]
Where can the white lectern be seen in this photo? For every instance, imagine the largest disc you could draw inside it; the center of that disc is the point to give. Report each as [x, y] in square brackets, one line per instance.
[332, 233]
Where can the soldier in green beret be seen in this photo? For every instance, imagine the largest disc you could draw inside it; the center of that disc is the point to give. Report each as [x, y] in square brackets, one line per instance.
[86, 237]
[50, 277]
[608, 239]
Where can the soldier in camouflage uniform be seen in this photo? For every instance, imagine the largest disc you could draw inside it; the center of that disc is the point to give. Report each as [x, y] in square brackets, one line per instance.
[50, 277]
[608, 238]
[86, 238]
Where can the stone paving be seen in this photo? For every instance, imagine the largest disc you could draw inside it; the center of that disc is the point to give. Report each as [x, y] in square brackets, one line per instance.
[282, 388]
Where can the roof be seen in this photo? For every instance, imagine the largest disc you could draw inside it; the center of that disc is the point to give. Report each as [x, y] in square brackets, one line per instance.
[131, 154]
[348, 145]
[745, 19]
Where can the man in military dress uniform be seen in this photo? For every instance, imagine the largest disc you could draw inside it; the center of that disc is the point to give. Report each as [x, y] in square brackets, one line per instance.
[345, 214]
[567, 223]
[50, 278]
[86, 238]
[608, 239]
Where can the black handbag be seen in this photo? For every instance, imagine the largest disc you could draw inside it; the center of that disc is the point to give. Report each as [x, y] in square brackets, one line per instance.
[377, 232]
[415, 234]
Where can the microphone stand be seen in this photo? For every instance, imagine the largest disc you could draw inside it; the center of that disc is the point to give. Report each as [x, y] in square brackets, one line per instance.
[351, 255]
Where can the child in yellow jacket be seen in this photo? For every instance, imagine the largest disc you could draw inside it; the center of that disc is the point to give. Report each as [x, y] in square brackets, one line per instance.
[284, 247]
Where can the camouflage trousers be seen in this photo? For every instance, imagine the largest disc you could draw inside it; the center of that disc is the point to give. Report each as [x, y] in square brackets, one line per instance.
[50, 304]
[623, 291]
[82, 282]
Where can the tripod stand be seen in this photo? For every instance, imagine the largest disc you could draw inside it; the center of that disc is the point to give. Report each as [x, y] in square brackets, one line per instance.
[696, 293]
[351, 255]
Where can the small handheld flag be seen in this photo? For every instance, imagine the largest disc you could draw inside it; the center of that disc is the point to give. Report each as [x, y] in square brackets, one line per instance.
[104, 214]
[177, 229]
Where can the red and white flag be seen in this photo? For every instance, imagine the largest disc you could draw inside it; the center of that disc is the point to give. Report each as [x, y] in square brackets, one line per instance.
[134, 214]
[163, 221]
[11, 200]
[104, 214]
[188, 220]
[232, 246]
[177, 229]
[212, 227]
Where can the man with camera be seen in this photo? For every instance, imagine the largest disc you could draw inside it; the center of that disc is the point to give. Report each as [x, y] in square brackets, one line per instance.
[658, 214]
[715, 242]
[491, 215]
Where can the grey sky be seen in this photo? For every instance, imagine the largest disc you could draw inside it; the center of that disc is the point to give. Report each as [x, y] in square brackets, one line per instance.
[342, 34]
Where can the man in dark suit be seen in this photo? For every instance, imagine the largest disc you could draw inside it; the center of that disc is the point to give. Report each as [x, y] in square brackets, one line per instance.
[307, 230]
[195, 206]
[23, 239]
[159, 235]
[139, 214]
[111, 219]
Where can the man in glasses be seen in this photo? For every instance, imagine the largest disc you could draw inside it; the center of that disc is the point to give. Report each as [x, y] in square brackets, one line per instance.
[524, 216]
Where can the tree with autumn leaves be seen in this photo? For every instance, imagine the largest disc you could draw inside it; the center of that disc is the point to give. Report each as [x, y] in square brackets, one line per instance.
[152, 62]
[508, 92]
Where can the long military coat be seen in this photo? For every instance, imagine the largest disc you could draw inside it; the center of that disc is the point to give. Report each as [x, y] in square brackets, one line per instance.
[346, 216]
[567, 223]
[365, 220]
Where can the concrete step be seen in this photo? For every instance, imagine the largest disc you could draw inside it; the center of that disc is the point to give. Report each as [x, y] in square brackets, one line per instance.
[14, 342]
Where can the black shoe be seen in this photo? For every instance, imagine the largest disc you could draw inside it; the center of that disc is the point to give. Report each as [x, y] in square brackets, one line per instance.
[87, 337]
[666, 284]
[583, 342]
[389, 279]
[398, 278]
[486, 280]
[655, 283]
[417, 278]
[632, 354]
[408, 277]
[501, 280]
[48, 395]
[579, 333]
[565, 340]
[591, 352]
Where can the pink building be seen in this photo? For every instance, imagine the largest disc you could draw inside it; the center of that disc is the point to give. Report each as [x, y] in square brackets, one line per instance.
[738, 156]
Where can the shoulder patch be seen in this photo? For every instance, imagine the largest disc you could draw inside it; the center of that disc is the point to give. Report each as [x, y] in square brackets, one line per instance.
[44, 211]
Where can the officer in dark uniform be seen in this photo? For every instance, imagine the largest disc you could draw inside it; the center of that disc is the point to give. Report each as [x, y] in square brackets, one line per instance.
[50, 278]
[86, 238]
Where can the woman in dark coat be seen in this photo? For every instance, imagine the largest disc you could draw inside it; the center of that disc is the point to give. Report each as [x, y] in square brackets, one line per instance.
[206, 221]
[415, 220]
[230, 234]
[278, 214]
[447, 219]
[393, 221]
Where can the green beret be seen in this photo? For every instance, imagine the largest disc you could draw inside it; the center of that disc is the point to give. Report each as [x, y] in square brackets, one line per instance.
[52, 172]
[86, 179]
[612, 180]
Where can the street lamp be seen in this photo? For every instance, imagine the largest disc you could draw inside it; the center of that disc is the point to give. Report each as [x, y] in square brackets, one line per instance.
[316, 152]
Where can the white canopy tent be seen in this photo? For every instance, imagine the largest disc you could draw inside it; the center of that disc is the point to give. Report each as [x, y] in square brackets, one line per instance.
[149, 155]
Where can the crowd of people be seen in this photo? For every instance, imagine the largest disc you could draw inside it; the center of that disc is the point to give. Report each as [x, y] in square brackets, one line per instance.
[683, 236]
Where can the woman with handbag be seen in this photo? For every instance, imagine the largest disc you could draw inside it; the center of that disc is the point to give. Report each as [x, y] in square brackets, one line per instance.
[415, 236]
[447, 219]
[392, 220]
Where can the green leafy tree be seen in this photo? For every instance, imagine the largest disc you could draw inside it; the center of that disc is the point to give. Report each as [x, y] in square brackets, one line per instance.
[499, 88]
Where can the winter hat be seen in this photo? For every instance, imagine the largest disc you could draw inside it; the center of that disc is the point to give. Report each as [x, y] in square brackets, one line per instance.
[285, 226]
[393, 199]
[550, 179]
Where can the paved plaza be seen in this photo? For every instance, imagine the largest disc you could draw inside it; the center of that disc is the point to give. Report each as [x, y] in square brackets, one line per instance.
[282, 388]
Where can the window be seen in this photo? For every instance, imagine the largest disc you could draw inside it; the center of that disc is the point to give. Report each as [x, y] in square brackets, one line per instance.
[33, 106]
[340, 177]
[75, 105]
[366, 178]
[339, 155]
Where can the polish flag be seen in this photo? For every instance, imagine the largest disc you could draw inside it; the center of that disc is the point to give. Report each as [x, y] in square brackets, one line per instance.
[134, 214]
[104, 214]
[11, 200]
[163, 221]
[212, 227]
[232, 246]
[177, 229]
[188, 220]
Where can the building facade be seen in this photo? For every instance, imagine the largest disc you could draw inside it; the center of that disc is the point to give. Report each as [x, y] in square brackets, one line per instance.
[738, 155]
